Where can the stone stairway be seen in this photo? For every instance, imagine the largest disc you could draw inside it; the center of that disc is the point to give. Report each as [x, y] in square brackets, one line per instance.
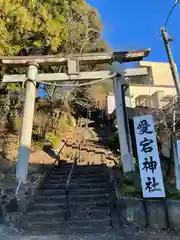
[47, 212]
[89, 200]
[89, 203]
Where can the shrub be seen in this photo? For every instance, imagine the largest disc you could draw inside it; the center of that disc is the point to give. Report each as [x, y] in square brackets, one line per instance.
[71, 121]
[66, 122]
[63, 125]
[52, 139]
[42, 123]
[38, 143]
[18, 123]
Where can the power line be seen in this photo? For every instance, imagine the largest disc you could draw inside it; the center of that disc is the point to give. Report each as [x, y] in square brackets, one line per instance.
[172, 9]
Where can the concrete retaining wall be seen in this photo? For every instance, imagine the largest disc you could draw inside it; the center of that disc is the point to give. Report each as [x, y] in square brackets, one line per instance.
[132, 211]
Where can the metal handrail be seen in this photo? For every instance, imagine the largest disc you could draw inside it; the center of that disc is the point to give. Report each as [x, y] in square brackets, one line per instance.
[58, 157]
[47, 173]
[66, 217]
[67, 212]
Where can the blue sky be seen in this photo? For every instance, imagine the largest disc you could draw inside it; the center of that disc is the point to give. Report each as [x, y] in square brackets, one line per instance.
[135, 24]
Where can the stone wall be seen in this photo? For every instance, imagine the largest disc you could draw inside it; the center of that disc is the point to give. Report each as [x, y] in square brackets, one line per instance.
[11, 146]
[158, 214]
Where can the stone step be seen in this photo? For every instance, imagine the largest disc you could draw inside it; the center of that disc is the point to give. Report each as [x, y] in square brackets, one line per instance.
[80, 180]
[90, 213]
[83, 206]
[40, 213]
[68, 227]
[52, 192]
[91, 223]
[74, 186]
[84, 168]
[90, 186]
[59, 215]
[76, 176]
[49, 206]
[102, 212]
[44, 217]
[59, 192]
[42, 228]
[80, 176]
[78, 173]
[58, 177]
[78, 198]
[61, 186]
[91, 173]
[72, 205]
[93, 197]
[60, 219]
[63, 172]
[64, 165]
[62, 169]
[94, 228]
[52, 199]
[60, 230]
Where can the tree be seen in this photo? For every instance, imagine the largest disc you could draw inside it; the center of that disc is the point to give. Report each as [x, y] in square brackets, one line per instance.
[29, 27]
[83, 35]
[47, 27]
[99, 91]
[39, 26]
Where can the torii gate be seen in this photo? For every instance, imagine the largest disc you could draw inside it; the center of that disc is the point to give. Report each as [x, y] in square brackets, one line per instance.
[33, 62]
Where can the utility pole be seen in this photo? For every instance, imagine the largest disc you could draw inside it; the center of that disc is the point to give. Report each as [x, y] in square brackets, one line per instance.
[173, 67]
[174, 71]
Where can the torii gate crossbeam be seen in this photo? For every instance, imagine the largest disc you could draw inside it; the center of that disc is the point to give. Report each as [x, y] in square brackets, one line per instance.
[72, 61]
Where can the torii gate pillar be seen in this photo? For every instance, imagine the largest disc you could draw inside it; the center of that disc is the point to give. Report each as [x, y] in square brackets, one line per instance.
[27, 124]
[126, 156]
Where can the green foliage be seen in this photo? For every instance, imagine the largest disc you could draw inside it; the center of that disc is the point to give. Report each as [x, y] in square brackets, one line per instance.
[45, 27]
[172, 192]
[66, 122]
[42, 123]
[38, 143]
[29, 27]
[14, 87]
[52, 139]
[98, 92]
[25, 23]
[127, 190]
[113, 141]
[18, 123]
[119, 161]
[63, 125]
[45, 131]
[71, 121]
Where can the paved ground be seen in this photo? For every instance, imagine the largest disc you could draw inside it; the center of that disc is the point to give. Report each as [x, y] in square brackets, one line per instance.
[127, 233]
